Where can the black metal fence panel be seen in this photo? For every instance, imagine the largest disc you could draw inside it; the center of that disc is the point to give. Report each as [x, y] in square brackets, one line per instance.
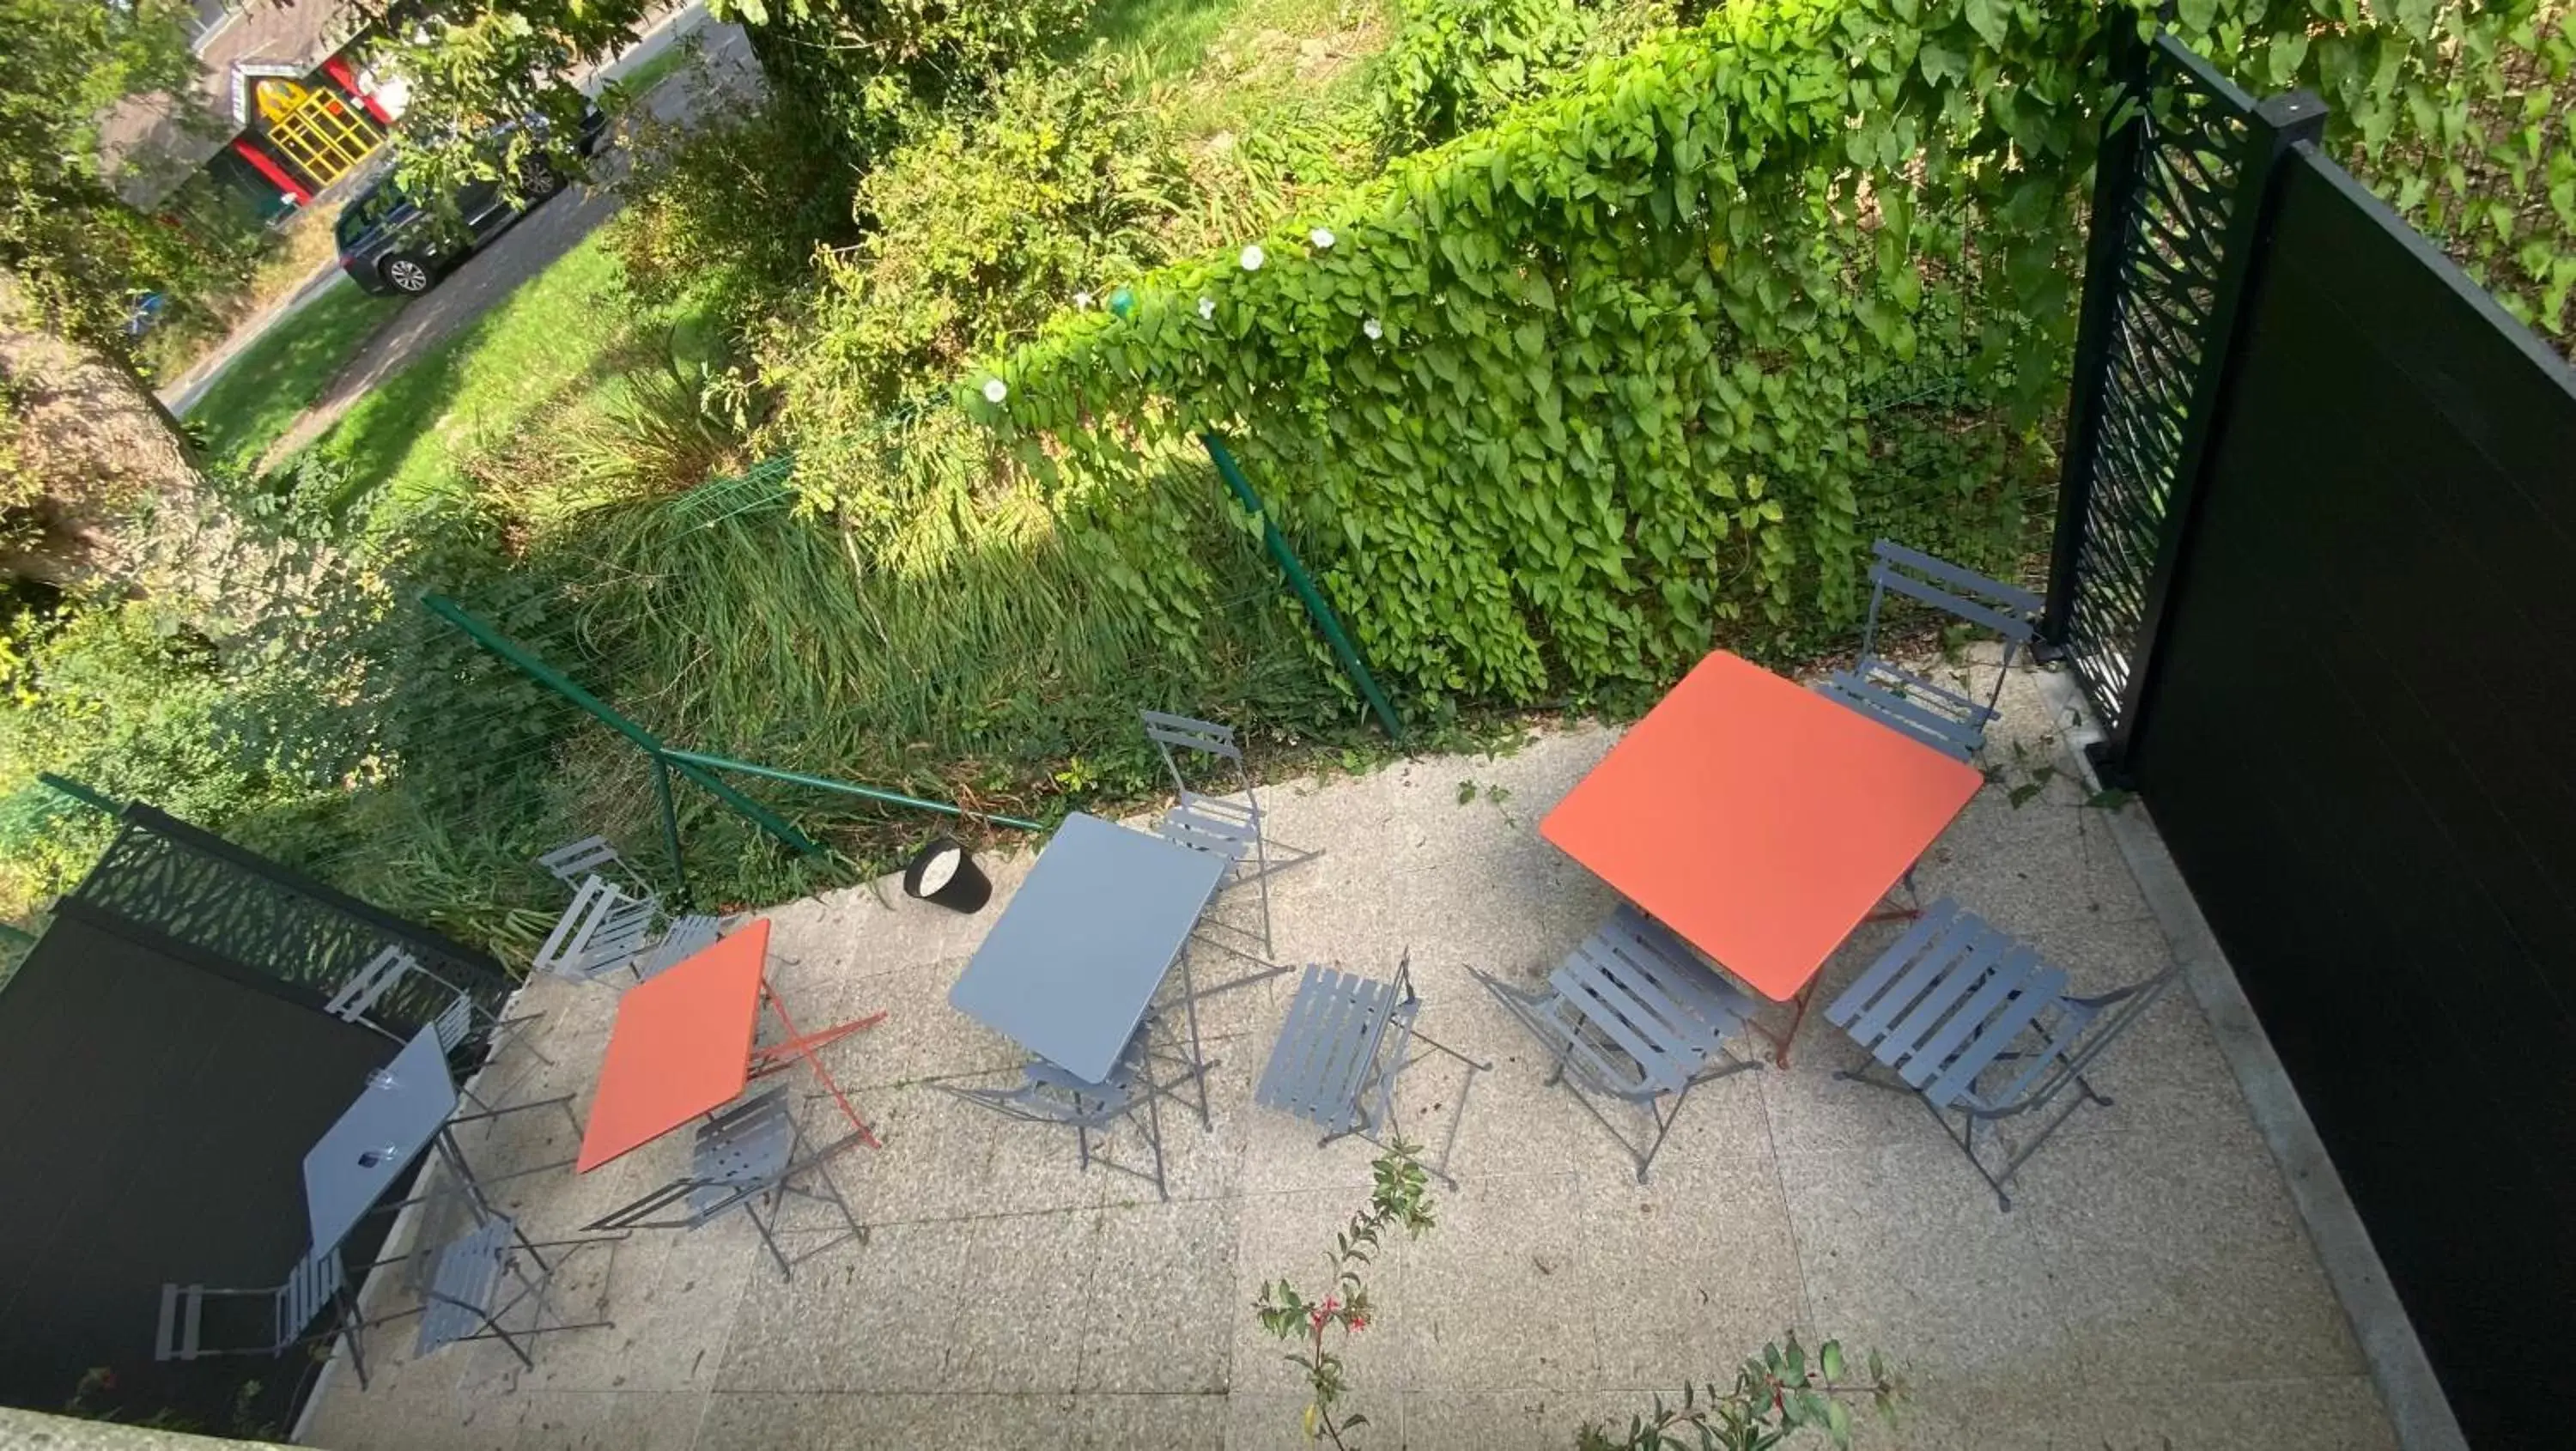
[231, 910]
[153, 1122]
[2165, 196]
[2357, 746]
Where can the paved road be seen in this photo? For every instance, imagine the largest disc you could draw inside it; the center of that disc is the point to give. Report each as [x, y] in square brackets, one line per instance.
[527, 248]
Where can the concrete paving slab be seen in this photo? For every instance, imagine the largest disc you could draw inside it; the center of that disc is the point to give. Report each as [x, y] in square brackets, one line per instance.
[2152, 1283]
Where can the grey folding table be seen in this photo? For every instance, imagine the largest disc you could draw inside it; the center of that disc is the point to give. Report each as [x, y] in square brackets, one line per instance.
[1072, 966]
[400, 1113]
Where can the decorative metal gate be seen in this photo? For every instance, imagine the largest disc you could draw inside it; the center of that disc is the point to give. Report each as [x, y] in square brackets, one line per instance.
[2178, 204]
[316, 129]
[200, 898]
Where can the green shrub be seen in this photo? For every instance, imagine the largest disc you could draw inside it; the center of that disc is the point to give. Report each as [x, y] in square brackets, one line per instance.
[728, 212]
[869, 68]
[980, 228]
[1644, 365]
[123, 697]
[1457, 64]
[1567, 398]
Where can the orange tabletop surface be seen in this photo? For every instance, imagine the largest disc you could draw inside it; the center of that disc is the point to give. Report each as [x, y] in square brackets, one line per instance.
[681, 1047]
[1759, 819]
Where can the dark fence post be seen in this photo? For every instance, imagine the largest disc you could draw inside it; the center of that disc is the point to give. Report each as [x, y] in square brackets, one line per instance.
[2113, 215]
[2275, 126]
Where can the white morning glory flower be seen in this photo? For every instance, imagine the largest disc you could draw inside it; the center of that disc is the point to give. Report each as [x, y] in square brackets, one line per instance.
[1253, 257]
[1322, 237]
[1369, 326]
[1207, 307]
[1082, 299]
[995, 390]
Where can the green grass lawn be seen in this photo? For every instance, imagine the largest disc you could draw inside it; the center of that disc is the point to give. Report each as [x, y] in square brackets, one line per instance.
[555, 336]
[1225, 63]
[652, 72]
[258, 394]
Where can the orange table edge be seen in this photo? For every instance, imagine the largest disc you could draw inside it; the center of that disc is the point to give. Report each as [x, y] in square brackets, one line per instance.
[1758, 819]
[681, 1047]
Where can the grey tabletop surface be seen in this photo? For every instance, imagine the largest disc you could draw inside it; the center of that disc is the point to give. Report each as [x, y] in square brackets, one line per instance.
[392, 1120]
[1070, 968]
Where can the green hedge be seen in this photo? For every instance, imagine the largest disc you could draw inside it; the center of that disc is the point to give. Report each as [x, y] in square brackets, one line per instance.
[1647, 363]
[1631, 346]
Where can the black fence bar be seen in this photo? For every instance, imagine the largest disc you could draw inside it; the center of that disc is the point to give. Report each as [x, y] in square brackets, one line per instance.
[2273, 127]
[2115, 181]
[191, 892]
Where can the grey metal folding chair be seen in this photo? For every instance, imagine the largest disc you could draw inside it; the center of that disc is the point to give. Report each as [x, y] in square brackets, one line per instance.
[457, 1022]
[1346, 1039]
[1632, 1016]
[263, 1321]
[685, 938]
[592, 856]
[1229, 824]
[471, 1284]
[1134, 1090]
[604, 930]
[1910, 702]
[1975, 1025]
[750, 1156]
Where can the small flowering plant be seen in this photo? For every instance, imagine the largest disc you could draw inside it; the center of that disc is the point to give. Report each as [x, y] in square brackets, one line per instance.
[1321, 1327]
[1779, 1396]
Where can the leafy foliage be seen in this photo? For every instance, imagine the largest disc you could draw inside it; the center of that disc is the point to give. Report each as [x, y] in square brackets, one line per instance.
[72, 250]
[1776, 1396]
[1559, 401]
[728, 212]
[2463, 116]
[979, 228]
[1457, 64]
[1646, 363]
[870, 68]
[1399, 1198]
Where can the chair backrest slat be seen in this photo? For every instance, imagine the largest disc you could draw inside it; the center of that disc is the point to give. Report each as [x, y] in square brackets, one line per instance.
[307, 1293]
[2008, 610]
[1171, 733]
[2013, 597]
[368, 985]
[573, 861]
[1976, 612]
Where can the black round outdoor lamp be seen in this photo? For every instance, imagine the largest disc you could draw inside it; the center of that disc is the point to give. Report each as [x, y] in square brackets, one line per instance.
[942, 872]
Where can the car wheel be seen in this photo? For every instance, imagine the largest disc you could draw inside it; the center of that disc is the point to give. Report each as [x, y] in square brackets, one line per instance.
[540, 182]
[406, 274]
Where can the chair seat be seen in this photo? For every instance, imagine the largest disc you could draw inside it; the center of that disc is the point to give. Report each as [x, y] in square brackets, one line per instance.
[603, 930]
[744, 1146]
[1643, 997]
[1328, 1047]
[464, 1286]
[1872, 696]
[1949, 1000]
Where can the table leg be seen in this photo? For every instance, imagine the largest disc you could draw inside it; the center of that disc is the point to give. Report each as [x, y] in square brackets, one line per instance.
[1781, 1042]
[801, 1045]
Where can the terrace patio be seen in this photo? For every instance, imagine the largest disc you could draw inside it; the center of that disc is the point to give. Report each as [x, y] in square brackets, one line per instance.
[2152, 1285]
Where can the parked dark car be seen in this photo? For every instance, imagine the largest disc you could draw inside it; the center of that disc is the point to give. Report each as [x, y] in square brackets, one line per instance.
[390, 244]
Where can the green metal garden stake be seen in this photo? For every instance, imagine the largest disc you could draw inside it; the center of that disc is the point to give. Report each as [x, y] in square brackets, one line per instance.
[556, 681]
[1304, 585]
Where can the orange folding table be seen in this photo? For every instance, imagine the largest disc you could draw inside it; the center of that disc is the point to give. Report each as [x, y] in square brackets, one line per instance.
[686, 1044]
[1760, 821]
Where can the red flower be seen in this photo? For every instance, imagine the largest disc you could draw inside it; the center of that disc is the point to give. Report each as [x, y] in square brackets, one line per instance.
[1359, 1322]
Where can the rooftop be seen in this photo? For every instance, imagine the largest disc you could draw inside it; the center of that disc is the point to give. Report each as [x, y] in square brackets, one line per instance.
[2152, 1283]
